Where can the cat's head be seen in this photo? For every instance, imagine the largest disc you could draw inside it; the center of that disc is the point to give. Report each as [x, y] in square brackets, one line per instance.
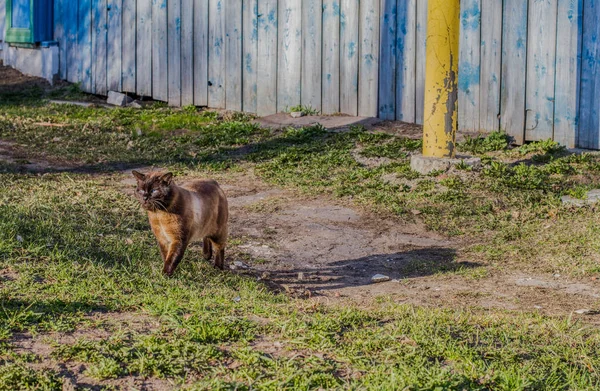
[154, 190]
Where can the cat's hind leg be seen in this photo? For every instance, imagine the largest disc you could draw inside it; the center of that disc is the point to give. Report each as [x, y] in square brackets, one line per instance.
[207, 250]
[219, 255]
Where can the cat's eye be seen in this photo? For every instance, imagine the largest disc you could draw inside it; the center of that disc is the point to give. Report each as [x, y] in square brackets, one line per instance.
[155, 192]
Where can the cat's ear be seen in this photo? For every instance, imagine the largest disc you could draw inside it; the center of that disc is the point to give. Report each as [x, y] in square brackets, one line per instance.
[138, 175]
[166, 178]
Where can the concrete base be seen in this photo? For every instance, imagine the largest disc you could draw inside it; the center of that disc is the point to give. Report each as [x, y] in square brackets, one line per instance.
[426, 165]
[38, 61]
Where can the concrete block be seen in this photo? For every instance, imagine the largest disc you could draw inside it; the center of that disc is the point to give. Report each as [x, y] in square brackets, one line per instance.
[37, 61]
[425, 165]
[118, 99]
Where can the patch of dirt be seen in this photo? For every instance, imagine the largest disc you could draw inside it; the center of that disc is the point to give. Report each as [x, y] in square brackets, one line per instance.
[12, 80]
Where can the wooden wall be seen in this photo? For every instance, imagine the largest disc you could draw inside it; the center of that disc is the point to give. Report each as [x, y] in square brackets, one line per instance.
[529, 67]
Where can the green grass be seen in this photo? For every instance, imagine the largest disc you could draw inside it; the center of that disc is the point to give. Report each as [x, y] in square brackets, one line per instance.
[72, 245]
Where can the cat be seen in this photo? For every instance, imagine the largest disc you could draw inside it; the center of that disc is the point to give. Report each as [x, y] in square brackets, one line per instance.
[181, 214]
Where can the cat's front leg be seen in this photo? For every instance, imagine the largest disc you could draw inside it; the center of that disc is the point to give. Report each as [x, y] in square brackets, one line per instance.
[174, 256]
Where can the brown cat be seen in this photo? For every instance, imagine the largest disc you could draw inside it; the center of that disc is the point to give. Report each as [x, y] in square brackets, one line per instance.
[182, 214]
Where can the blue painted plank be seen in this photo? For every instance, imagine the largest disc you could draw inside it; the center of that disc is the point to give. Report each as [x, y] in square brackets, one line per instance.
[99, 26]
[469, 67]
[174, 51]
[160, 70]
[514, 69]
[387, 61]
[250, 55]
[422, 8]
[143, 48]
[589, 112]
[114, 44]
[406, 52]
[290, 54]
[201, 52]
[59, 34]
[541, 67]
[233, 55]
[187, 52]
[3, 16]
[267, 57]
[491, 65]
[567, 71]
[71, 63]
[128, 46]
[84, 44]
[216, 55]
[331, 57]
[349, 19]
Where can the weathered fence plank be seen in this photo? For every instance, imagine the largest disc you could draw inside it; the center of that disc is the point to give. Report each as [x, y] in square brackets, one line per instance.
[129, 32]
[387, 60]
[216, 54]
[99, 37]
[143, 48]
[84, 44]
[349, 19]
[200, 52]
[368, 79]
[70, 22]
[233, 55]
[514, 69]
[57, 10]
[59, 33]
[406, 98]
[541, 61]
[491, 65]
[113, 45]
[250, 55]
[421, 54]
[174, 51]
[331, 57]
[589, 124]
[567, 71]
[267, 57]
[469, 68]
[187, 52]
[160, 70]
[312, 30]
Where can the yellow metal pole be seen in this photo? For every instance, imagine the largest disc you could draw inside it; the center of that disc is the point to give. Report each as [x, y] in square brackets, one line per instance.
[441, 79]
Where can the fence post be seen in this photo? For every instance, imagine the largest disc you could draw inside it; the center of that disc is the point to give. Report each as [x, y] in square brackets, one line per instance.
[441, 80]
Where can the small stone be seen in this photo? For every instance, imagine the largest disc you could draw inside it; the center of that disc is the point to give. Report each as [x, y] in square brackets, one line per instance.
[416, 212]
[583, 312]
[300, 276]
[118, 99]
[19, 239]
[129, 241]
[297, 114]
[556, 275]
[425, 165]
[237, 299]
[538, 307]
[377, 278]
[136, 104]
[240, 265]
[138, 131]
[56, 139]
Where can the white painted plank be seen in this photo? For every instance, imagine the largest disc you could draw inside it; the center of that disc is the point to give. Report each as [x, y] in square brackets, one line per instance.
[250, 55]
[99, 37]
[589, 122]
[407, 60]
[58, 20]
[290, 54]
[541, 62]
[59, 34]
[368, 78]
[187, 52]
[72, 57]
[233, 55]
[567, 71]
[387, 61]
[349, 19]
[174, 51]
[84, 44]
[267, 57]
[216, 55]
[143, 85]
[421, 56]
[201, 52]
[469, 67]
[491, 65]
[114, 45]
[160, 70]
[514, 60]
[331, 57]
[312, 60]
[128, 46]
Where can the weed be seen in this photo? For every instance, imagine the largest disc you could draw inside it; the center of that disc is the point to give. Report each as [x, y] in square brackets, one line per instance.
[495, 141]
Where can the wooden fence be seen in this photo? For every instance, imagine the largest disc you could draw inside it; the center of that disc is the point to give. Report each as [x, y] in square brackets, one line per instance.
[529, 67]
